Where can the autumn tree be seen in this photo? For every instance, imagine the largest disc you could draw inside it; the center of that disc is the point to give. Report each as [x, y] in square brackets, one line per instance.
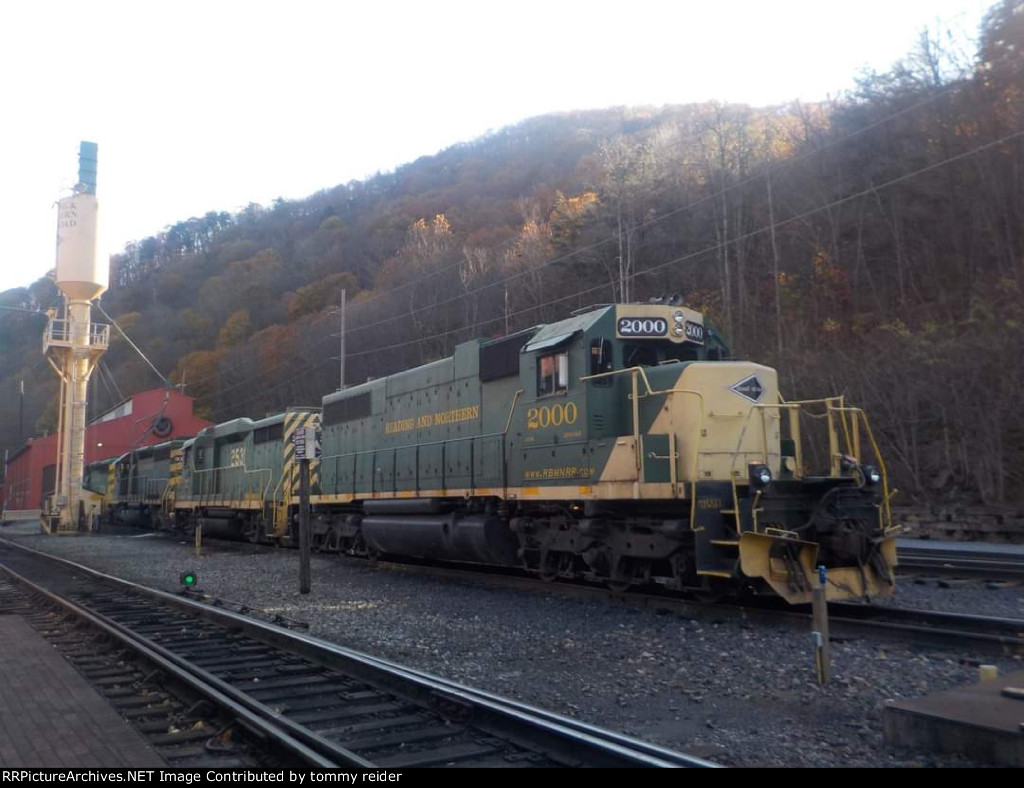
[235, 329]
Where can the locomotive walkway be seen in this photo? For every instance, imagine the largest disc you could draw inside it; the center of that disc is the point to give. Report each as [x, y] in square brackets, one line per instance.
[51, 717]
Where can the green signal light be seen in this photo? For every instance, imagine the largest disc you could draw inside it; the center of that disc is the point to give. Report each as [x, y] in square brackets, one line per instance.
[189, 579]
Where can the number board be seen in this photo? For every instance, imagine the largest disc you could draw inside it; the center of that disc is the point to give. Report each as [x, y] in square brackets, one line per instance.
[307, 444]
[643, 327]
[694, 332]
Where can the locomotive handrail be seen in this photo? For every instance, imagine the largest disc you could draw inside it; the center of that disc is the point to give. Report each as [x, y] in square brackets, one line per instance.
[859, 412]
[794, 430]
[512, 410]
[166, 502]
[851, 436]
[277, 486]
[152, 491]
[444, 442]
[508, 423]
[245, 471]
[639, 372]
[412, 445]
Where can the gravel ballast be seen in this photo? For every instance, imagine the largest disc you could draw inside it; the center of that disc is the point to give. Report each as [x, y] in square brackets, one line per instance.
[740, 694]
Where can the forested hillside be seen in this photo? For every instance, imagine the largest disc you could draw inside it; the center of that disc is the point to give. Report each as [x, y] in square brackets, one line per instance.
[872, 246]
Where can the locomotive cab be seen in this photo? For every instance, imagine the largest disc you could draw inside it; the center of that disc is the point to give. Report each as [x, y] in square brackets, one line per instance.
[690, 469]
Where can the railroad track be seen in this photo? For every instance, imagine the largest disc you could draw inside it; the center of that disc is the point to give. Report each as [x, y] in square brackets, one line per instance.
[319, 704]
[180, 726]
[988, 562]
[981, 634]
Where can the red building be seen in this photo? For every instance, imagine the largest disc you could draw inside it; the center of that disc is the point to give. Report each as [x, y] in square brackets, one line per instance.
[141, 420]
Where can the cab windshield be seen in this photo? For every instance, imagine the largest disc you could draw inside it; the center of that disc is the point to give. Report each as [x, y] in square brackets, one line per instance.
[651, 354]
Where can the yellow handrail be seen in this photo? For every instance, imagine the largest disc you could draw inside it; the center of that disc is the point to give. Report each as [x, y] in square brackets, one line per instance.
[638, 372]
[878, 458]
[850, 420]
[257, 472]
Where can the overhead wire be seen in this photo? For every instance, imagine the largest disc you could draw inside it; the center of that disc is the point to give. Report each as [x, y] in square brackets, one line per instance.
[286, 382]
[134, 347]
[105, 368]
[770, 168]
[23, 310]
[692, 255]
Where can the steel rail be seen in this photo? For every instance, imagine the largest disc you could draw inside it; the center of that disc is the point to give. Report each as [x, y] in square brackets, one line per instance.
[848, 619]
[188, 675]
[995, 635]
[512, 717]
[983, 564]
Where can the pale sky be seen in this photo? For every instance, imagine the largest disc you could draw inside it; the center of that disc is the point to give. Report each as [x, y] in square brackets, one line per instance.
[210, 105]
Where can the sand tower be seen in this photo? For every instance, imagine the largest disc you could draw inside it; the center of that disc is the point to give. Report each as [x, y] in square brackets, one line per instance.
[73, 344]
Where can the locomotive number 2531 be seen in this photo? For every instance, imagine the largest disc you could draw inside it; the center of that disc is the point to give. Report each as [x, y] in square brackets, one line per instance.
[551, 416]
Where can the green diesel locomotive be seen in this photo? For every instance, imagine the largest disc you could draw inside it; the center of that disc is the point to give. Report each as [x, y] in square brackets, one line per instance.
[619, 445]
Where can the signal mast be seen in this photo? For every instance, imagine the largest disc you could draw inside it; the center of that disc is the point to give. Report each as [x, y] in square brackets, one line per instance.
[73, 344]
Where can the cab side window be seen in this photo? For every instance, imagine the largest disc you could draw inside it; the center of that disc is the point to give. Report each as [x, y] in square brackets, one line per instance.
[552, 374]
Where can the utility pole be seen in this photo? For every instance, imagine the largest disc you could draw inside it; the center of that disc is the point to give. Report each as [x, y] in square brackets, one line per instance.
[304, 579]
[775, 252]
[21, 412]
[307, 447]
[341, 384]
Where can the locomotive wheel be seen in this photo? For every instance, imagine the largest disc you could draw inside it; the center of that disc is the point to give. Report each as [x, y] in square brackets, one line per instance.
[622, 576]
[254, 532]
[552, 565]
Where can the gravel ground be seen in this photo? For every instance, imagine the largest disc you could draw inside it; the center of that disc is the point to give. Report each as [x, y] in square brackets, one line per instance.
[977, 597]
[739, 694]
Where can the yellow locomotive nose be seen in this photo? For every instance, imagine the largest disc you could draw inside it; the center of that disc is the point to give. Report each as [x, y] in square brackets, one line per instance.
[760, 511]
[789, 566]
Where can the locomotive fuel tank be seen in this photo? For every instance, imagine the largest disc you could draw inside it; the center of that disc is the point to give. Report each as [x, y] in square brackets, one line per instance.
[480, 539]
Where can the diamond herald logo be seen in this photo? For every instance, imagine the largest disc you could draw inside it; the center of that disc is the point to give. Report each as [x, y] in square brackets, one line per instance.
[750, 388]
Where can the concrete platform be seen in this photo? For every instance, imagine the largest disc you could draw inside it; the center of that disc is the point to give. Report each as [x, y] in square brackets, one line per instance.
[50, 716]
[976, 720]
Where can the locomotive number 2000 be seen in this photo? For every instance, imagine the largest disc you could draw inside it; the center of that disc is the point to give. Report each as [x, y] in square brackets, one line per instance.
[642, 327]
[551, 416]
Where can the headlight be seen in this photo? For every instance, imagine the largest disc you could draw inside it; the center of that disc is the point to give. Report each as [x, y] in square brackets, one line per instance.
[678, 331]
[678, 315]
[760, 475]
[872, 476]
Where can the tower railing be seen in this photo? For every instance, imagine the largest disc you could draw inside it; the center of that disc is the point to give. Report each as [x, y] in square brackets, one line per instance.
[58, 334]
